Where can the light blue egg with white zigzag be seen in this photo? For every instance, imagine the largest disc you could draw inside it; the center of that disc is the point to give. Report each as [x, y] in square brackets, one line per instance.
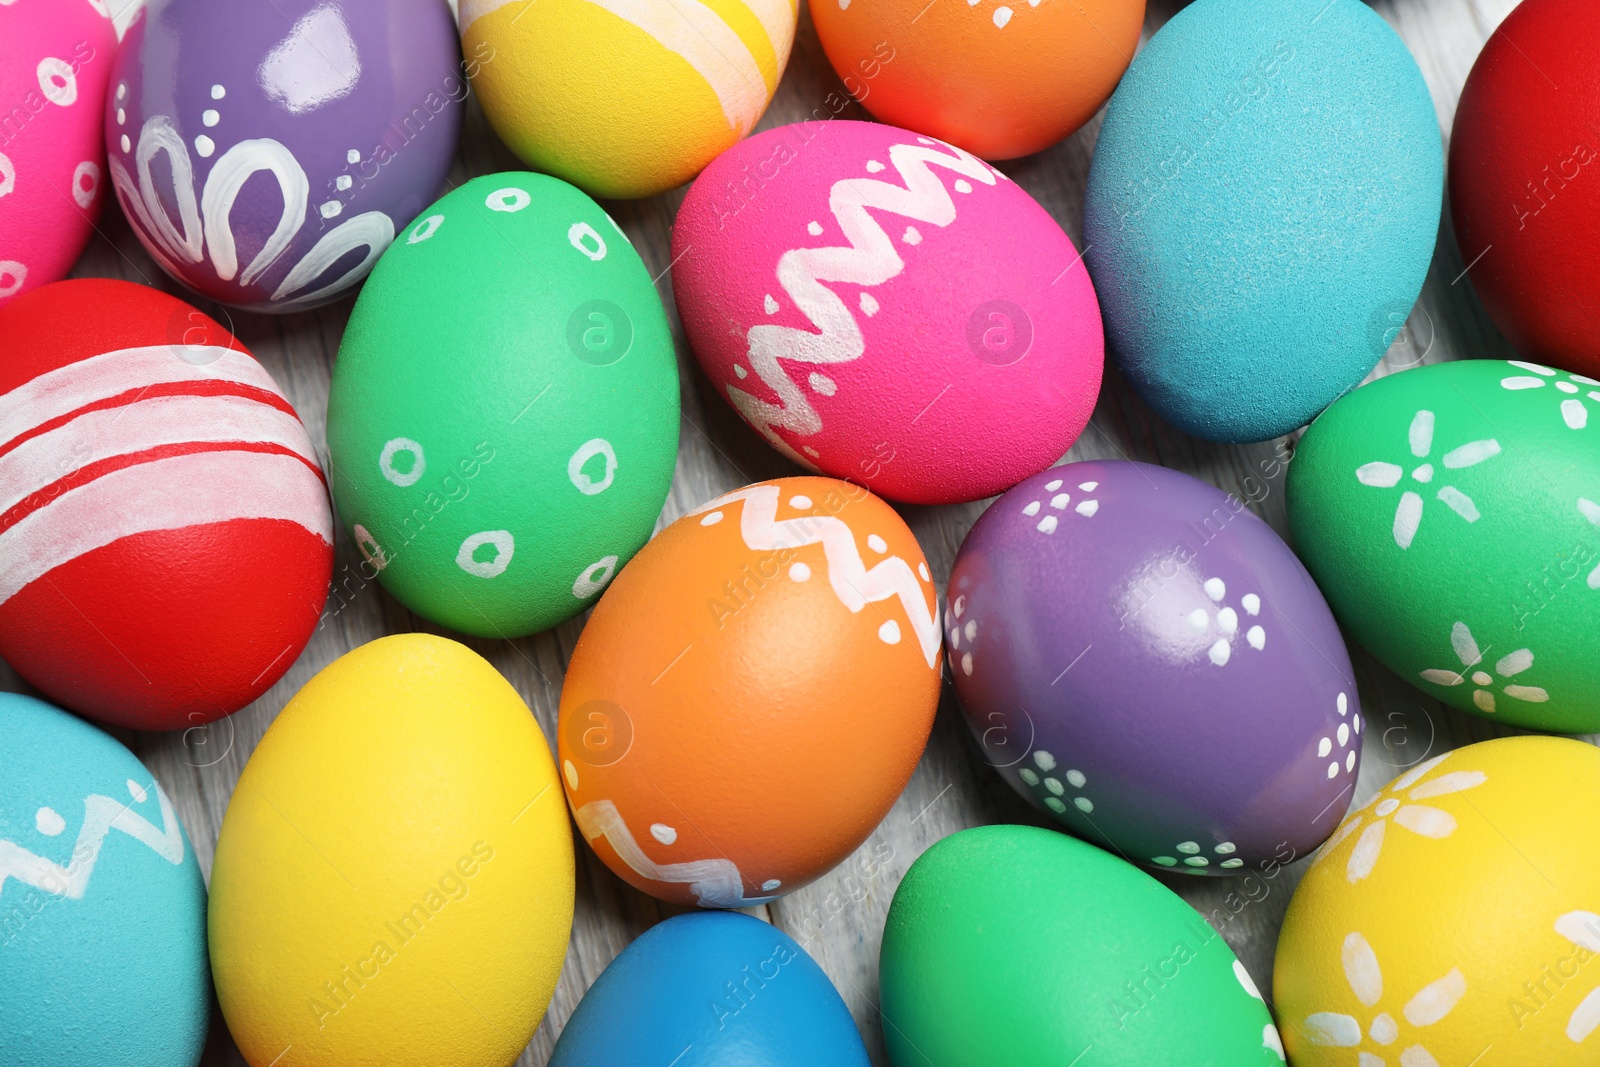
[102, 905]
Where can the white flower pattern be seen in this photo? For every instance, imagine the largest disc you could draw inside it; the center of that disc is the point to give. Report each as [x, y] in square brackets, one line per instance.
[1509, 666]
[1399, 801]
[1058, 502]
[1582, 928]
[1573, 411]
[1408, 513]
[1225, 622]
[1591, 511]
[1431, 1004]
[1048, 787]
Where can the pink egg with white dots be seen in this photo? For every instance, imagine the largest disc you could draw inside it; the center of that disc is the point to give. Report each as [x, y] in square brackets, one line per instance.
[887, 309]
[55, 61]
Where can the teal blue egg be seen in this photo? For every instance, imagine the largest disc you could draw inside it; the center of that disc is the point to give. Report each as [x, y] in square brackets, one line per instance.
[102, 905]
[1261, 210]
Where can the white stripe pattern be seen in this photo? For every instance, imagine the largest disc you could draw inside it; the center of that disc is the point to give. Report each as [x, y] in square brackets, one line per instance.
[120, 431]
[777, 17]
[697, 34]
[164, 494]
[110, 374]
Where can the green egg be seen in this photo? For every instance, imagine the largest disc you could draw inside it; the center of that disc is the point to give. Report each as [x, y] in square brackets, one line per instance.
[1451, 515]
[503, 421]
[1011, 945]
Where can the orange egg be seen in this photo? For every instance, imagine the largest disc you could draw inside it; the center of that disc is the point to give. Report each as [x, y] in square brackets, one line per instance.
[752, 693]
[1000, 78]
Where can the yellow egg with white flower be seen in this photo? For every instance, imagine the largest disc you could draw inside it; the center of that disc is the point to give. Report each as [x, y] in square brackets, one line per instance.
[1454, 918]
[625, 98]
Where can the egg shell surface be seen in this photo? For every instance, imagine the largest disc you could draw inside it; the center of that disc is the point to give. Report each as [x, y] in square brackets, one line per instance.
[55, 61]
[393, 880]
[1013, 944]
[625, 99]
[887, 309]
[1144, 659]
[504, 410]
[999, 79]
[102, 905]
[1263, 205]
[266, 154]
[1453, 917]
[749, 698]
[1521, 156]
[165, 534]
[1452, 515]
[667, 995]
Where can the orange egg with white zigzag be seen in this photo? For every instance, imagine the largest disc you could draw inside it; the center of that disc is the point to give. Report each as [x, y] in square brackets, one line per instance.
[752, 693]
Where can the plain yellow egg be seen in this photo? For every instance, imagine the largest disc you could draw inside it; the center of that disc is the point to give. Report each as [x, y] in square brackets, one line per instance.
[393, 882]
[1454, 918]
[625, 98]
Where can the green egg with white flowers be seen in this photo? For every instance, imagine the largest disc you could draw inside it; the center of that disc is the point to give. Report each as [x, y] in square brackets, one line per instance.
[1010, 945]
[503, 417]
[1451, 516]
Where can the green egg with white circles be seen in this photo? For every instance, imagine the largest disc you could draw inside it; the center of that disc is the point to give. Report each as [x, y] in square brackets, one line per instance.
[1451, 515]
[503, 418]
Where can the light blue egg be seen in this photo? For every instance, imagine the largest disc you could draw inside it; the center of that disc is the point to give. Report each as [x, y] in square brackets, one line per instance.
[1261, 210]
[711, 989]
[102, 906]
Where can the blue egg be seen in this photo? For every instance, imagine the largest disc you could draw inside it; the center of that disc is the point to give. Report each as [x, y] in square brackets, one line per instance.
[711, 989]
[1261, 210]
[102, 906]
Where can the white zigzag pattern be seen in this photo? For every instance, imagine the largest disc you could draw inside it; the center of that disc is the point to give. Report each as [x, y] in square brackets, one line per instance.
[715, 883]
[101, 815]
[870, 259]
[851, 581]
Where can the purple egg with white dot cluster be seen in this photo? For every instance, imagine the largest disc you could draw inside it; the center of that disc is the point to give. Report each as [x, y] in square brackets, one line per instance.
[1142, 657]
[267, 153]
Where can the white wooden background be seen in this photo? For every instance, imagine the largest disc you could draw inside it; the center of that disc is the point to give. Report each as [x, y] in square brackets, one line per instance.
[840, 917]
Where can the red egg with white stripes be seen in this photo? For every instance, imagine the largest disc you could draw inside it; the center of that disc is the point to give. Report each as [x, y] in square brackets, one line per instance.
[165, 532]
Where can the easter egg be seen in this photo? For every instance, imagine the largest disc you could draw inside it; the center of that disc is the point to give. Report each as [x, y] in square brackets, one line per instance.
[102, 905]
[499, 495]
[1000, 79]
[1143, 659]
[1452, 515]
[55, 61]
[1012, 944]
[1262, 206]
[1521, 160]
[1453, 918]
[165, 536]
[887, 309]
[770, 1004]
[752, 693]
[266, 154]
[625, 99]
[393, 879]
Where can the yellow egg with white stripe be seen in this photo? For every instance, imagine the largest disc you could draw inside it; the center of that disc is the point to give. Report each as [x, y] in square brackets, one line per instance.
[625, 98]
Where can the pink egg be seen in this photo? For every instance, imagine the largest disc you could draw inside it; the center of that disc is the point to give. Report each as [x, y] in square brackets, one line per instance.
[888, 309]
[55, 60]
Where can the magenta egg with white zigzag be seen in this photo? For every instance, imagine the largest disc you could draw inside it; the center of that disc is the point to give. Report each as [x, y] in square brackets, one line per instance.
[884, 308]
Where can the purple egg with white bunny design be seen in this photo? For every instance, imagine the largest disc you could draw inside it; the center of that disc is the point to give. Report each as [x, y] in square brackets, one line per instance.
[1144, 659]
[267, 153]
